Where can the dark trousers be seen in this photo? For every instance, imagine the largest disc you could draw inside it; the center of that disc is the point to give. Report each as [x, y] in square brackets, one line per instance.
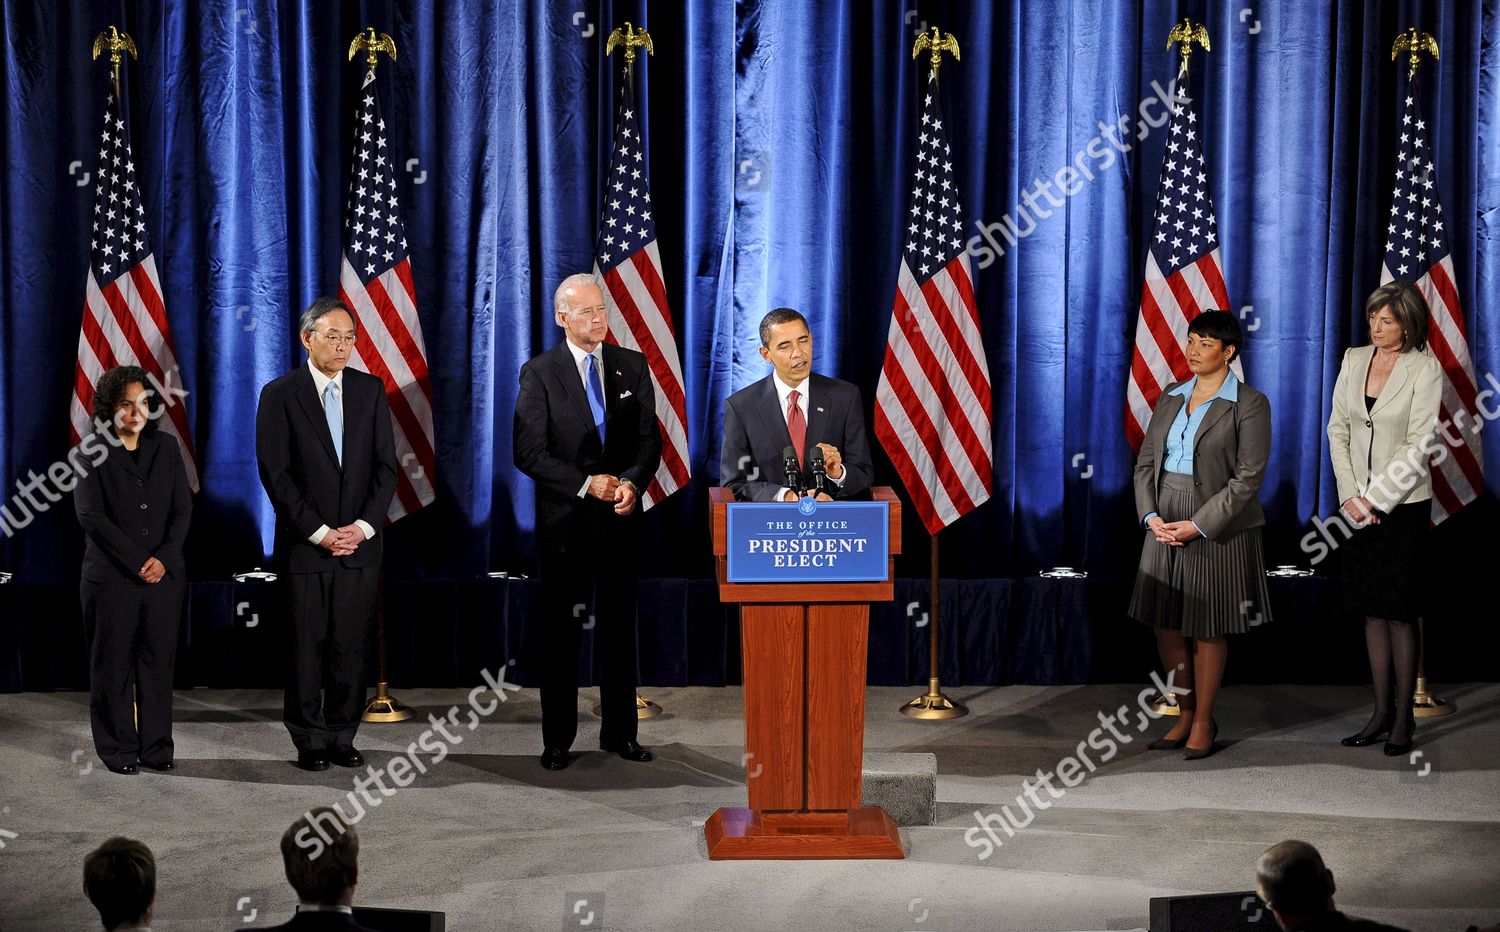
[567, 584]
[325, 696]
[132, 634]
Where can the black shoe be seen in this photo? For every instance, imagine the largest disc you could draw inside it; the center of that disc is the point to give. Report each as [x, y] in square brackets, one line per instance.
[1168, 744]
[165, 766]
[1399, 750]
[347, 757]
[1364, 740]
[1360, 741]
[626, 749]
[555, 758]
[1213, 747]
[312, 760]
[126, 769]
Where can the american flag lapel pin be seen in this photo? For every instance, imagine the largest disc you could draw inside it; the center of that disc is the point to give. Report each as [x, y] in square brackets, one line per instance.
[820, 409]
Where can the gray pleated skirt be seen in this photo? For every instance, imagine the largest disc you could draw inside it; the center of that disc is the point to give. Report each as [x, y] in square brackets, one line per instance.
[1204, 588]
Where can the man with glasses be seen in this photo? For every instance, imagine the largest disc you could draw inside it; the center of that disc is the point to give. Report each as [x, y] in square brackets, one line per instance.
[586, 432]
[327, 457]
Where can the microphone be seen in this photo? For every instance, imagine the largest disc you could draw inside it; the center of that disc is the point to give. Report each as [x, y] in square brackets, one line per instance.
[815, 462]
[793, 472]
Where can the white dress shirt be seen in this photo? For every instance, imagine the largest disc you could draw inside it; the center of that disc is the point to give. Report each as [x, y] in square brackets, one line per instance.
[321, 383]
[783, 393]
[580, 361]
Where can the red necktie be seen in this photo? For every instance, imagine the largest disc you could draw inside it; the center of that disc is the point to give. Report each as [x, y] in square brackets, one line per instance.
[796, 425]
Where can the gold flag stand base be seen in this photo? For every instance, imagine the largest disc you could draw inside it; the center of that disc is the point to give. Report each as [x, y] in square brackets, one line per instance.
[644, 708]
[385, 707]
[1425, 705]
[1162, 705]
[934, 705]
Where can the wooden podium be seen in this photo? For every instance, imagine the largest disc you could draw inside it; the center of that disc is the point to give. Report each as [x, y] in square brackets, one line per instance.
[803, 647]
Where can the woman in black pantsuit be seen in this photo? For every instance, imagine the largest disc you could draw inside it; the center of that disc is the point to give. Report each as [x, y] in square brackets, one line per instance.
[133, 502]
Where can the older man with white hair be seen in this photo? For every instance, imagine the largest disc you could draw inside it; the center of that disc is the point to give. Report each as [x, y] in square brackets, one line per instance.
[586, 433]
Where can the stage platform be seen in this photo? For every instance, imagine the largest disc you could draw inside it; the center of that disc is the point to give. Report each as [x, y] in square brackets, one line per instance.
[496, 842]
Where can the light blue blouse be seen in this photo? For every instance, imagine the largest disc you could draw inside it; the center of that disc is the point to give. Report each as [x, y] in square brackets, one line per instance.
[1180, 436]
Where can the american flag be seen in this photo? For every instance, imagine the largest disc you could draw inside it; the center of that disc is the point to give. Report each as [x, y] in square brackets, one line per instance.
[932, 403]
[376, 282]
[1184, 276]
[629, 265]
[1416, 250]
[124, 320]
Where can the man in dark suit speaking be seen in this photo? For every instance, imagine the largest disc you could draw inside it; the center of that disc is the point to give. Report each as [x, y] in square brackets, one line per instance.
[812, 414]
[328, 461]
[586, 432]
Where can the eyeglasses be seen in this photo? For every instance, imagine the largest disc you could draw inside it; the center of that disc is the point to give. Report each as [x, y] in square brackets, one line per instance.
[336, 339]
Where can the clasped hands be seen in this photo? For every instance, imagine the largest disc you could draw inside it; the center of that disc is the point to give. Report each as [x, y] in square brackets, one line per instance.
[152, 571]
[1172, 533]
[609, 488]
[1361, 511]
[342, 541]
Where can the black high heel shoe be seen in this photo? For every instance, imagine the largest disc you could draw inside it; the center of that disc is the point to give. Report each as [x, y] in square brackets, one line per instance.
[1213, 746]
[1169, 744]
[1400, 750]
[1363, 740]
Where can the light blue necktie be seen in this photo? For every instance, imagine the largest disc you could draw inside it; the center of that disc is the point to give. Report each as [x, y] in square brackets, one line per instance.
[335, 420]
[596, 397]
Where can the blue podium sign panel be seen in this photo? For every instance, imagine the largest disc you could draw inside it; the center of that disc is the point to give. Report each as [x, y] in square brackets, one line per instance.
[807, 541]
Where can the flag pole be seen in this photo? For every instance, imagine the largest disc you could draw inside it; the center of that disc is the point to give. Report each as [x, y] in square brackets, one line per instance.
[933, 705]
[114, 41]
[632, 39]
[1424, 703]
[384, 707]
[1186, 32]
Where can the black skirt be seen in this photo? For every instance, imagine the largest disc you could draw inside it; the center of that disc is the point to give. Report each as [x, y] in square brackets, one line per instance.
[1383, 564]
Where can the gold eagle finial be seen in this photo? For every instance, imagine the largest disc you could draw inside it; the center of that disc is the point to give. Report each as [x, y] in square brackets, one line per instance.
[632, 39]
[371, 44]
[114, 41]
[1415, 43]
[1188, 32]
[937, 42]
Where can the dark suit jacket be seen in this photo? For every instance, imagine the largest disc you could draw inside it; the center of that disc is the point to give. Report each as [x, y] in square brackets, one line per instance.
[320, 921]
[1230, 451]
[555, 442]
[301, 472]
[132, 509]
[755, 435]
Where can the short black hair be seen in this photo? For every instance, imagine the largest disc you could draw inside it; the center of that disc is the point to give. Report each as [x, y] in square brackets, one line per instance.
[782, 315]
[1222, 326]
[320, 308]
[321, 873]
[110, 392]
[119, 878]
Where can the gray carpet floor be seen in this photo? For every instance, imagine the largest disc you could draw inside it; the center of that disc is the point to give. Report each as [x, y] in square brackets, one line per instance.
[497, 843]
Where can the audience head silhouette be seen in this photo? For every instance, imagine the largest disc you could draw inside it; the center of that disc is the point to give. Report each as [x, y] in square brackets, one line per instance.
[119, 878]
[321, 854]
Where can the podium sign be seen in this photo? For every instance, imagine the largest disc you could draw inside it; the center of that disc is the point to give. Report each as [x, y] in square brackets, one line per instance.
[807, 541]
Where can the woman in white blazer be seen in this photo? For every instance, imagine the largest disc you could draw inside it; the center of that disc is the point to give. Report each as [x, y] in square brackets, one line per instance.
[1382, 436]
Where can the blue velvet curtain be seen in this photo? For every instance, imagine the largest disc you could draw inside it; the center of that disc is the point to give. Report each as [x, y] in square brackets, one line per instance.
[780, 137]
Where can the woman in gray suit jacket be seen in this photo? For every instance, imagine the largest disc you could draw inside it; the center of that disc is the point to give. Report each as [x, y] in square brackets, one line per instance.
[1197, 492]
[1381, 437]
